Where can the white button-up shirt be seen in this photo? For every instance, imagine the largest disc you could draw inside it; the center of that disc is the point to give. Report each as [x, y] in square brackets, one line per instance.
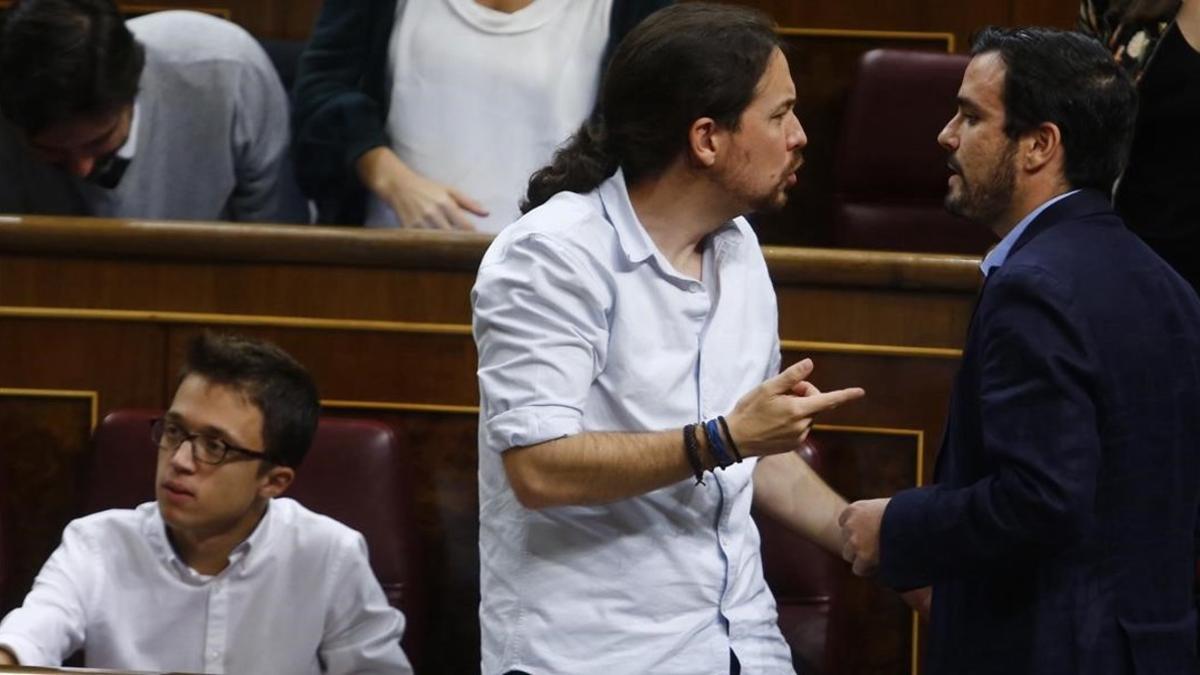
[297, 597]
[583, 325]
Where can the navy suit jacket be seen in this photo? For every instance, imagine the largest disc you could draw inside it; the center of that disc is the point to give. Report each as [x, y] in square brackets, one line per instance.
[1060, 532]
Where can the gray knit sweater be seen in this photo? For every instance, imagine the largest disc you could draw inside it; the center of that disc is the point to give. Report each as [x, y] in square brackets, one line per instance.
[212, 136]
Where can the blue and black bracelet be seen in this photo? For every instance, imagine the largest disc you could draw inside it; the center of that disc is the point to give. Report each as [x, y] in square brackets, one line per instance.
[729, 437]
[716, 444]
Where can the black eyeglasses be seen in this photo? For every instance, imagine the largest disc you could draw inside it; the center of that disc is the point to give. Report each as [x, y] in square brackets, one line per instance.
[206, 449]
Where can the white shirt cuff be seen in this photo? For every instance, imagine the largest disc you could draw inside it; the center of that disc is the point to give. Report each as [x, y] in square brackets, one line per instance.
[531, 425]
[26, 651]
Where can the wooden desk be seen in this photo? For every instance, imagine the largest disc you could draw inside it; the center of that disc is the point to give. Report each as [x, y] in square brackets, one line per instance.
[33, 670]
[94, 315]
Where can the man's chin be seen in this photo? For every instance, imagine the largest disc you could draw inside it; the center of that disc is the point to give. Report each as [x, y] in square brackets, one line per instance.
[772, 204]
[954, 205]
[174, 515]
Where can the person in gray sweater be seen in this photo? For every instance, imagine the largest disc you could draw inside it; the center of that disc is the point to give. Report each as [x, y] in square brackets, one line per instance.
[171, 115]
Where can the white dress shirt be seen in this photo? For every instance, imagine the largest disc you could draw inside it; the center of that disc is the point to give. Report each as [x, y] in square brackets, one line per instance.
[583, 325]
[297, 597]
[480, 98]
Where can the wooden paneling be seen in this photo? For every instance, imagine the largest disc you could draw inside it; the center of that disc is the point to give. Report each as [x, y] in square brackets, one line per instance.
[75, 369]
[43, 441]
[383, 321]
[866, 463]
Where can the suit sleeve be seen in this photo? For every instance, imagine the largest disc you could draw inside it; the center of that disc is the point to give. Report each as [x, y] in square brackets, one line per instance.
[334, 119]
[1040, 445]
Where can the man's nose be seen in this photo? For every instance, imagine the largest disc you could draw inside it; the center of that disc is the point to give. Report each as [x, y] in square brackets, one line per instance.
[183, 458]
[946, 138]
[799, 138]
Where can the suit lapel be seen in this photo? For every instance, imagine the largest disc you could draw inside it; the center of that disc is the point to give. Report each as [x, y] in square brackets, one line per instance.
[1080, 205]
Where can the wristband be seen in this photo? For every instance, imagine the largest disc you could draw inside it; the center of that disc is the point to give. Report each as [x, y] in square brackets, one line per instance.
[732, 446]
[692, 450]
[716, 445]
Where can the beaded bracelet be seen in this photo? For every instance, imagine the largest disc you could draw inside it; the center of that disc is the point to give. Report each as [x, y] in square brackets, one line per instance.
[692, 449]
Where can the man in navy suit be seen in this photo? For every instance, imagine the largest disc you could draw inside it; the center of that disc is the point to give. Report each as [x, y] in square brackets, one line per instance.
[1060, 534]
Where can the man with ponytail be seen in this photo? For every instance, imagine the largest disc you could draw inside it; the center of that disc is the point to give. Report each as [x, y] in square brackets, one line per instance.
[632, 407]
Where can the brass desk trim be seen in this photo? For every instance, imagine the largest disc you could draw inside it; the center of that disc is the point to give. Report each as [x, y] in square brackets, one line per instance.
[420, 328]
[948, 38]
[92, 396]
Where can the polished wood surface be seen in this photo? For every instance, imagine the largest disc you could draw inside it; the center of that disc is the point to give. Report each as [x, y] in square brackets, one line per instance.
[94, 315]
[33, 670]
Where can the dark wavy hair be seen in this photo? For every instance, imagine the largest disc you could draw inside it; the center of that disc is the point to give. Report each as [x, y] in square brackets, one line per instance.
[682, 63]
[63, 59]
[271, 379]
[1072, 81]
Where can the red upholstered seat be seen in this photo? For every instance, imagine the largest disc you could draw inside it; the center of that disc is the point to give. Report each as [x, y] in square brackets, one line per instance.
[804, 579]
[354, 473]
[890, 173]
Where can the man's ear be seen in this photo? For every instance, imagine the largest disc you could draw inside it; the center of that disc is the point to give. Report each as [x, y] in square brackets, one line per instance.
[1040, 147]
[276, 481]
[705, 141]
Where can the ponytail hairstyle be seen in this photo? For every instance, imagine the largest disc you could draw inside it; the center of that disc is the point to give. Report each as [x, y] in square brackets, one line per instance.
[682, 63]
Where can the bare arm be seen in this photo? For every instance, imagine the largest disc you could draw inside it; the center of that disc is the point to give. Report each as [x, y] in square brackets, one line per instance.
[416, 200]
[787, 489]
[7, 658]
[596, 468]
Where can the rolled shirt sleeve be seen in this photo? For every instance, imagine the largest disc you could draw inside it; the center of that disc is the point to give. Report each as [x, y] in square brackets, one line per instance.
[541, 326]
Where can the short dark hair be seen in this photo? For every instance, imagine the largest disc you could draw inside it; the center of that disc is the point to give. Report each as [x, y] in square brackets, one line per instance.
[1072, 81]
[682, 63]
[64, 59]
[271, 379]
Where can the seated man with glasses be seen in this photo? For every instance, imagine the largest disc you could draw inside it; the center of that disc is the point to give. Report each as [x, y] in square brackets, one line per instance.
[220, 574]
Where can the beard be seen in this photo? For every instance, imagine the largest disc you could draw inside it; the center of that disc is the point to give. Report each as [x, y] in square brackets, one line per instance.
[762, 201]
[986, 198]
[771, 203]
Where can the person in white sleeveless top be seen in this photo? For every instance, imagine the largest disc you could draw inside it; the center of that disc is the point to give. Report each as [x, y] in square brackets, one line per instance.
[441, 109]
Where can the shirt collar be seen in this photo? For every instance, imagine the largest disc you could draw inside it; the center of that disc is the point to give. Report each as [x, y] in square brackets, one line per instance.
[129, 148]
[155, 531]
[999, 252]
[632, 237]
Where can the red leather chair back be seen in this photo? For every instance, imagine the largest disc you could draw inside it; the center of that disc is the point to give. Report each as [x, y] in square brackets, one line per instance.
[890, 173]
[804, 579]
[353, 473]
